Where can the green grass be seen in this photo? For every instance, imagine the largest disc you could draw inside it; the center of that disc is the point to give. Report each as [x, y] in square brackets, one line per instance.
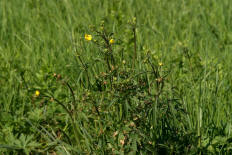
[92, 104]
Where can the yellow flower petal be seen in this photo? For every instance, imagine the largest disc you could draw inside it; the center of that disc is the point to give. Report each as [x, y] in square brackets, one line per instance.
[37, 93]
[88, 37]
[161, 64]
[112, 41]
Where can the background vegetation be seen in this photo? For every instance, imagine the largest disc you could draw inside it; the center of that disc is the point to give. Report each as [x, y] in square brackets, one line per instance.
[163, 87]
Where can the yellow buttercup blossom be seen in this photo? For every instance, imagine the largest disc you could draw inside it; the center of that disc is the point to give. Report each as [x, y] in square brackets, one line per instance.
[112, 41]
[88, 37]
[37, 93]
[161, 64]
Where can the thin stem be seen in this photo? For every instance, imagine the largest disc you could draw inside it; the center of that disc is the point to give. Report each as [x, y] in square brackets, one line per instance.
[135, 46]
[73, 95]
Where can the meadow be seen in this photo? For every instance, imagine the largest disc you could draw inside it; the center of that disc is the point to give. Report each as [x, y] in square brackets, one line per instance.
[115, 77]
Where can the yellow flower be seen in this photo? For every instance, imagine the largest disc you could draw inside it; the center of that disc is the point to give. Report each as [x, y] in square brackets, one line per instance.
[161, 64]
[112, 41]
[155, 56]
[88, 37]
[37, 93]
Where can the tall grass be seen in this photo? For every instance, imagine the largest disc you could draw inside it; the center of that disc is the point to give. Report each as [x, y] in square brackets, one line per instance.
[163, 87]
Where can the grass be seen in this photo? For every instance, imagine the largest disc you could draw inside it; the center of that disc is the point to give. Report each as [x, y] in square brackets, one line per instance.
[163, 87]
